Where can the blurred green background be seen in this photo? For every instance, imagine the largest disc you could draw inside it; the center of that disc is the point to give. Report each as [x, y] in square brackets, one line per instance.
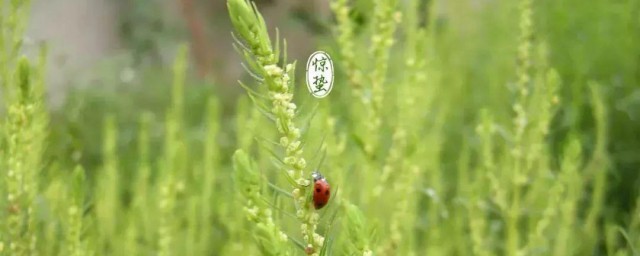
[599, 41]
[114, 58]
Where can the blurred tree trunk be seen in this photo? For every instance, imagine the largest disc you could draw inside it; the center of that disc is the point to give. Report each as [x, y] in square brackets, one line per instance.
[200, 49]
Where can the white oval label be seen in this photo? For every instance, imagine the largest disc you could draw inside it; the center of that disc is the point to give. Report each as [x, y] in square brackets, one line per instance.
[319, 74]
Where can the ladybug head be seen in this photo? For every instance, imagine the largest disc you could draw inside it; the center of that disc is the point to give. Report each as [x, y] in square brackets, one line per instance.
[316, 176]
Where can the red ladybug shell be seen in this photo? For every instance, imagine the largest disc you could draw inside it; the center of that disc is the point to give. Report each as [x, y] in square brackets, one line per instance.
[321, 190]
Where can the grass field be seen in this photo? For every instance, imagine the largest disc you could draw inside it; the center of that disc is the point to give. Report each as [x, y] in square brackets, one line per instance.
[453, 128]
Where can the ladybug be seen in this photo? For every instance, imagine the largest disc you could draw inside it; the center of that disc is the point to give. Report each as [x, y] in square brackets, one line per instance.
[321, 190]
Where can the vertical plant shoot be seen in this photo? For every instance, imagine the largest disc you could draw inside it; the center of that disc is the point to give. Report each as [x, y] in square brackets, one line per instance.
[255, 46]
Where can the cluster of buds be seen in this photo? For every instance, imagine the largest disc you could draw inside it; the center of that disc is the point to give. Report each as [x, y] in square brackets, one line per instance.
[263, 59]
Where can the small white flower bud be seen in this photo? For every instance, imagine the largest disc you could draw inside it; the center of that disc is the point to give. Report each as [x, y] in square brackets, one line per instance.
[284, 141]
[318, 239]
[283, 237]
[280, 97]
[290, 160]
[301, 163]
[315, 217]
[293, 146]
[273, 70]
[252, 212]
[295, 133]
[290, 113]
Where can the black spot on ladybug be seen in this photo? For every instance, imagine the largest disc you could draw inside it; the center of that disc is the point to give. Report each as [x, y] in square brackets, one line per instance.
[318, 190]
[326, 192]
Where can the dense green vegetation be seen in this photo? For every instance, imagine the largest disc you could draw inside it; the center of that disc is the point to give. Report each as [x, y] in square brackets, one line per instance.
[457, 128]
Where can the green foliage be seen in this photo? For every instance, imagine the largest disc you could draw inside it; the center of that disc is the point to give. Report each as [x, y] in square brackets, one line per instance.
[502, 128]
[278, 80]
[272, 241]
